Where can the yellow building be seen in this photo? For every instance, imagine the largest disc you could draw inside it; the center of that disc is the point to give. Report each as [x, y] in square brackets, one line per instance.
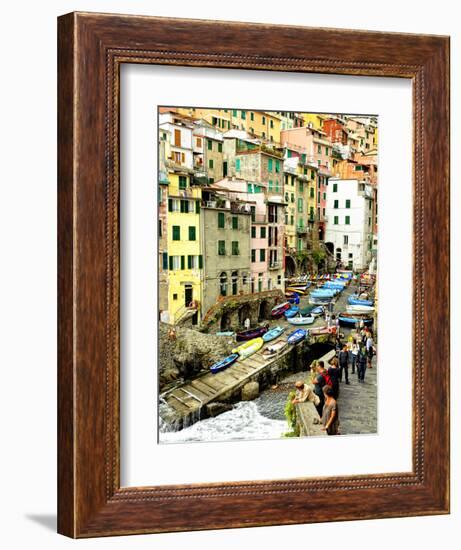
[185, 262]
[313, 120]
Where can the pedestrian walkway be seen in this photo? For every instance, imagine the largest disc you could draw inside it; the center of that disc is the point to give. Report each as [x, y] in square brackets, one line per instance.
[358, 404]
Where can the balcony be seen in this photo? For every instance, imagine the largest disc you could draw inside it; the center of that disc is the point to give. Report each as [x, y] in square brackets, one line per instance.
[275, 265]
[302, 230]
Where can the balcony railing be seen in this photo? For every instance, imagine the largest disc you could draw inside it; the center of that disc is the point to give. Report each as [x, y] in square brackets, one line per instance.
[275, 265]
[302, 230]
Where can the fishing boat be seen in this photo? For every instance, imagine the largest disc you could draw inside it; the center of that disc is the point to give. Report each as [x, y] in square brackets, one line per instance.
[317, 300]
[251, 333]
[248, 348]
[275, 348]
[349, 319]
[280, 309]
[295, 290]
[354, 301]
[319, 331]
[300, 320]
[273, 333]
[224, 363]
[317, 311]
[296, 336]
[360, 309]
[294, 310]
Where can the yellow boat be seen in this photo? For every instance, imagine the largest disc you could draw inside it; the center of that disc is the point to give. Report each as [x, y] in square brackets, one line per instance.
[250, 347]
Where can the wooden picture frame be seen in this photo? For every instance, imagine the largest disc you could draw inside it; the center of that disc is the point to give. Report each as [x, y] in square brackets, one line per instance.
[92, 48]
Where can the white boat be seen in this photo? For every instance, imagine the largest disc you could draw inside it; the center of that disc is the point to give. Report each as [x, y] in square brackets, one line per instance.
[360, 309]
[275, 348]
[301, 320]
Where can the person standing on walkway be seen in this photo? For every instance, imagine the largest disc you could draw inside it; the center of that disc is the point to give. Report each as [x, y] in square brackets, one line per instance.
[343, 359]
[334, 372]
[319, 382]
[361, 363]
[330, 414]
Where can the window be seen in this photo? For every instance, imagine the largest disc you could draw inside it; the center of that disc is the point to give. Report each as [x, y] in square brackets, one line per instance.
[175, 262]
[369, 222]
[165, 260]
[221, 220]
[358, 168]
[264, 120]
[237, 165]
[160, 228]
[252, 116]
[279, 279]
[348, 220]
[235, 248]
[336, 204]
[348, 203]
[182, 182]
[176, 233]
[210, 163]
[292, 220]
[253, 213]
[312, 193]
[277, 187]
[262, 255]
[335, 187]
[270, 162]
[300, 205]
[260, 282]
[198, 141]
[175, 296]
[197, 207]
[210, 145]
[324, 196]
[173, 205]
[244, 115]
[223, 283]
[221, 248]
[346, 239]
[336, 220]
[220, 147]
[263, 232]
[177, 138]
[184, 207]
[301, 187]
[319, 149]
[292, 198]
[271, 186]
[253, 256]
[277, 166]
[234, 280]
[326, 150]
[253, 232]
[272, 124]
[192, 262]
[234, 112]
[191, 233]
[235, 222]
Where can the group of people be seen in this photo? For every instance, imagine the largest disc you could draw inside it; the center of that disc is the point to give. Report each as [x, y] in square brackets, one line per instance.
[358, 353]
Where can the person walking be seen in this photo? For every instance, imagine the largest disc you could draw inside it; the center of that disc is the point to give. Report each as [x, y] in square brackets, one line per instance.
[330, 413]
[361, 363]
[343, 359]
[353, 349]
[369, 348]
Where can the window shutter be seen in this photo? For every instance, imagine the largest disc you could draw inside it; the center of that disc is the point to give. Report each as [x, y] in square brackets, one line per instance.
[183, 262]
[197, 207]
[200, 262]
[171, 263]
[170, 205]
[165, 260]
[189, 262]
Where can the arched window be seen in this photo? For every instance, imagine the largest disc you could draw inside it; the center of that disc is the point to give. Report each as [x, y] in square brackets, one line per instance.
[223, 283]
[234, 280]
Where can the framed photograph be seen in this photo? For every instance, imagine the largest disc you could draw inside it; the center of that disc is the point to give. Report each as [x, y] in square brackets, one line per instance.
[253, 275]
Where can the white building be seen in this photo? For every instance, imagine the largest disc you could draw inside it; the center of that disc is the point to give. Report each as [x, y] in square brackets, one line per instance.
[178, 131]
[349, 229]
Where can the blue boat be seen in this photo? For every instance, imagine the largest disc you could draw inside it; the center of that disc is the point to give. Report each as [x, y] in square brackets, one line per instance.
[296, 336]
[356, 302]
[334, 285]
[291, 312]
[316, 311]
[224, 363]
[273, 333]
[351, 320]
[294, 299]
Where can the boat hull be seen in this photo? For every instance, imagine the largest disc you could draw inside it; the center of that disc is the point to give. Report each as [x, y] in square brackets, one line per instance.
[301, 320]
[273, 334]
[297, 336]
[248, 348]
[250, 334]
[224, 363]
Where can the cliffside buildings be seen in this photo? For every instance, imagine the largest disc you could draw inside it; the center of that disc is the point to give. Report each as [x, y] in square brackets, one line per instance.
[247, 199]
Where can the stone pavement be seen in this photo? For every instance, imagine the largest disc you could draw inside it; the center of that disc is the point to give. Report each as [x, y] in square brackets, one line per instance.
[358, 403]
